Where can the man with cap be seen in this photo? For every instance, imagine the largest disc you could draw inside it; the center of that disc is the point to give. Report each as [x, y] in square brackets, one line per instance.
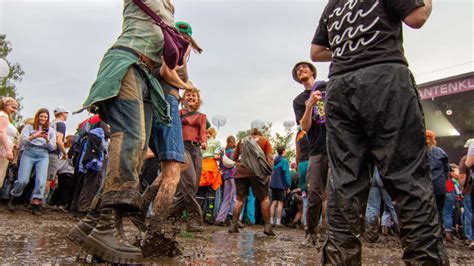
[60, 116]
[309, 112]
[374, 116]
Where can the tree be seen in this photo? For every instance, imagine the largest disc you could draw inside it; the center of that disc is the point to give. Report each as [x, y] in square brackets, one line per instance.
[7, 84]
[266, 131]
[285, 141]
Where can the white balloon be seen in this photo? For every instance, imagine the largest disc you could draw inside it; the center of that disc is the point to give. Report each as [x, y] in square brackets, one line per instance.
[289, 124]
[258, 124]
[219, 121]
[4, 68]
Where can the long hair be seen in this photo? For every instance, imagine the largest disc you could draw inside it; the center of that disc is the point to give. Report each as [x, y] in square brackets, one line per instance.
[230, 142]
[36, 121]
[5, 102]
[194, 90]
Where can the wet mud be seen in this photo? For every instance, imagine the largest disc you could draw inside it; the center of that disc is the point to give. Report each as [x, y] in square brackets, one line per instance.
[27, 239]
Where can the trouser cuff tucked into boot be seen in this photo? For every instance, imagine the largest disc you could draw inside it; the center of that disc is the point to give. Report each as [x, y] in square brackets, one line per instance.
[84, 227]
[126, 200]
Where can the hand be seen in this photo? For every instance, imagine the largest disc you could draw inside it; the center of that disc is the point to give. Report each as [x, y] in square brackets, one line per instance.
[203, 146]
[37, 134]
[9, 155]
[45, 136]
[64, 157]
[314, 98]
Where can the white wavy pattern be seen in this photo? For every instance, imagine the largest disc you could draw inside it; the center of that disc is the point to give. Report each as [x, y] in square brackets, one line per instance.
[361, 13]
[338, 11]
[350, 17]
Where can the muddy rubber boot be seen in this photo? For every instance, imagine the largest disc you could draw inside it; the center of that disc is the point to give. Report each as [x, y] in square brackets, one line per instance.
[371, 234]
[385, 230]
[194, 227]
[449, 237]
[234, 227]
[84, 227]
[160, 238]
[108, 241]
[10, 206]
[36, 209]
[139, 218]
[310, 239]
[267, 230]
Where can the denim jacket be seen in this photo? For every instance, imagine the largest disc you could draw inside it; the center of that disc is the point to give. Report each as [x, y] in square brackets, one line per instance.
[37, 142]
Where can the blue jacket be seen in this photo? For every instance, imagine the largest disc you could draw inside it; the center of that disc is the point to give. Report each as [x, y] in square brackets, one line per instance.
[438, 160]
[281, 177]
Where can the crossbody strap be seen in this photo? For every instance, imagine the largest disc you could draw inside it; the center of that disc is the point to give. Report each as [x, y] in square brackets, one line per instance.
[150, 12]
[189, 114]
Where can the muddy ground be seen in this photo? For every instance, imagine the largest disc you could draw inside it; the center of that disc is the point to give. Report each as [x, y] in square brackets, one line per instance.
[26, 239]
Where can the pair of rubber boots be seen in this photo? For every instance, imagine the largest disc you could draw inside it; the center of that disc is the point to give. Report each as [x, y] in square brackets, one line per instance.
[101, 234]
[267, 228]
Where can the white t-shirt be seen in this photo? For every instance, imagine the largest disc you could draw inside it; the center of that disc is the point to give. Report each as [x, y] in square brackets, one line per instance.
[11, 129]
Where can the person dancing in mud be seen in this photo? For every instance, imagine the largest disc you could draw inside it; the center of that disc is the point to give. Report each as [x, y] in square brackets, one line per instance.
[125, 94]
[374, 116]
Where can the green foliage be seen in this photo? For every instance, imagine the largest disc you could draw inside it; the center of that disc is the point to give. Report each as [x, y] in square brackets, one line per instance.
[285, 141]
[7, 84]
[267, 129]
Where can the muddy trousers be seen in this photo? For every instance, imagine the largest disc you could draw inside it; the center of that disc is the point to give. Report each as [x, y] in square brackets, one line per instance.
[316, 179]
[374, 116]
[129, 115]
[196, 162]
[185, 197]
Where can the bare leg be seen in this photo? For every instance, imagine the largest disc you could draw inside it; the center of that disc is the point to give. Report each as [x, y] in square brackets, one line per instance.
[272, 211]
[265, 208]
[279, 210]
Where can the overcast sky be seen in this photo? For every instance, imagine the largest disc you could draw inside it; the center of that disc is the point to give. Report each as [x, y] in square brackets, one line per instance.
[249, 47]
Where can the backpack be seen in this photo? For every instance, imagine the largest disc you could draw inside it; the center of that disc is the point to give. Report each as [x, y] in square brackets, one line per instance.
[255, 159]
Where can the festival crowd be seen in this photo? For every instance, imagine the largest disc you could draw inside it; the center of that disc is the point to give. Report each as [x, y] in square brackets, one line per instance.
[365, 165]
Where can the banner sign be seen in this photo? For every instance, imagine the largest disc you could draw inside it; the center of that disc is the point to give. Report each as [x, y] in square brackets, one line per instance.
[447, 87]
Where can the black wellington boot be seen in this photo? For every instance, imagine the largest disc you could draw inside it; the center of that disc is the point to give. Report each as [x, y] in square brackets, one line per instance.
[10, 205]
[108, 241]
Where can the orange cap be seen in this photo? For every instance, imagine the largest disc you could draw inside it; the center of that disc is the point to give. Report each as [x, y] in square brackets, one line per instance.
[430, 134]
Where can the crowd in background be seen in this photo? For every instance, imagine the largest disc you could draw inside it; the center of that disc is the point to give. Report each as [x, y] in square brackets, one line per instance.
[43, 168]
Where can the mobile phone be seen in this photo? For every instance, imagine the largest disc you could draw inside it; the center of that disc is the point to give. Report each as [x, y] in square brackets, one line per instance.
[45, 130]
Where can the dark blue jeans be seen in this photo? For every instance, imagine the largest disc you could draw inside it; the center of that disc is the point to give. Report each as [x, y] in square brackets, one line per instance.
[167, 142]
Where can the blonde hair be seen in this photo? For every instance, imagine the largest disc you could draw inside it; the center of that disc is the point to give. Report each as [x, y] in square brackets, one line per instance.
[194, 90]
[6, 100]
[212, 131]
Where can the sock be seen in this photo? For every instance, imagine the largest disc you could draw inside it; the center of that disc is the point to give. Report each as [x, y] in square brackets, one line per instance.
[278, 221]
[272, 221]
